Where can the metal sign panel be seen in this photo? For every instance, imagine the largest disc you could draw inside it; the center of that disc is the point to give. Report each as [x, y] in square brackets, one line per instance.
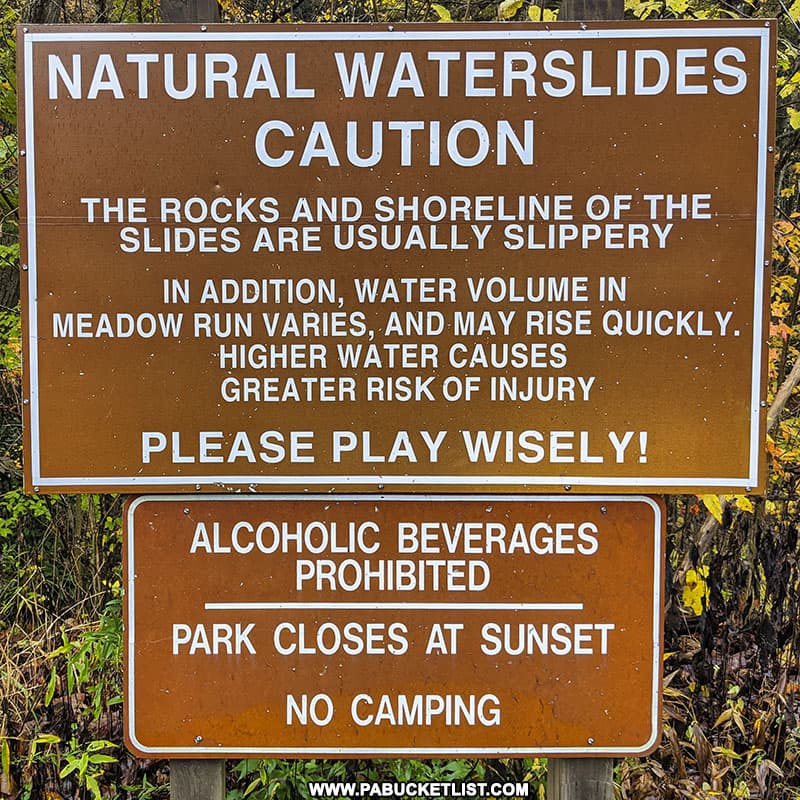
[452, 256]
[424, 625]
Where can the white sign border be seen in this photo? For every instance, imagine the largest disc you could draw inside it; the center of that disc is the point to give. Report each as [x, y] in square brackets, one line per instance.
[424, 752]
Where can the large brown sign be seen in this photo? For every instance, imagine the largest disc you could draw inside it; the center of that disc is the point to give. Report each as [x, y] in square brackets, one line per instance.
[382, 256]
[393, 626]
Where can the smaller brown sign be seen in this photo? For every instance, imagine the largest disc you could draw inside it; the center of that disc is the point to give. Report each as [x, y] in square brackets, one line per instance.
[411, 626]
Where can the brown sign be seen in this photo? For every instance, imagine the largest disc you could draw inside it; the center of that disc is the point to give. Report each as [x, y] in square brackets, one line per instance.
[393, 626]
[380, 256]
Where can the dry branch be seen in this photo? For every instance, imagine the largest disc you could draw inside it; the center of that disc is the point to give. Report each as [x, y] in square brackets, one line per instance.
[782, 397]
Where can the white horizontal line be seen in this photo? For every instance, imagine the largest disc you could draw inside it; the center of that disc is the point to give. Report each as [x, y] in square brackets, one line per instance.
[394, 606]
[456, 34]
[488, 751]
[252, 482]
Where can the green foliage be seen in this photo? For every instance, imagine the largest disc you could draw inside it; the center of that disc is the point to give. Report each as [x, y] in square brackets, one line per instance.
[268, 779]
[10, 336]
[271, 779]
[86, 764]
[20, 589]
[73, 713]
[16, 507]
[9, 18]
[10, 350]
[57, 553]
[146, 790]
[93, 661]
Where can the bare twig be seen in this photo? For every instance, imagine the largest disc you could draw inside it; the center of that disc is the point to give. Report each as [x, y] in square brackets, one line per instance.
[711, 527]
[782, 397]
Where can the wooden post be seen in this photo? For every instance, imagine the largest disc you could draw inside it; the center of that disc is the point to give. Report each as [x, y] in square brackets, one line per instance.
[189, 11]
[586, 10]
[195, 779]
[580, 779]
[584, 778]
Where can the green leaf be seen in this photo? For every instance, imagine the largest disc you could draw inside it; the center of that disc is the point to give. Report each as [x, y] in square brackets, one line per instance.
[9, 255]
[93, 787]
[458, 770]
[99, 744]
[102, 758]
[5, 757]
[727, 752]
[51, 687]
[71, 767]
[47, 738]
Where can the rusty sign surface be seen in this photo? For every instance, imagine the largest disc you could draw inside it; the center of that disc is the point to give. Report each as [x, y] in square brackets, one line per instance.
[405, 625]
[446, 256]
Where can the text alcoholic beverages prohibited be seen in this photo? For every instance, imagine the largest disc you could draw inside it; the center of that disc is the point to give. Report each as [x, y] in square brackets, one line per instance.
[502, 626]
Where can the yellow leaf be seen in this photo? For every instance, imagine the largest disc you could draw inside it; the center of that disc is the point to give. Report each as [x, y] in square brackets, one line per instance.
[743, 502]
[645, 9]
[794, 118]
[5, 757]
[695, 591]
[738, 721]
[508, 8]
[713, 504]
[728, 753]
[791, 85]
[539, 14]
[678, 6]
[442, 13]
[725, 716]
[794, 10]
